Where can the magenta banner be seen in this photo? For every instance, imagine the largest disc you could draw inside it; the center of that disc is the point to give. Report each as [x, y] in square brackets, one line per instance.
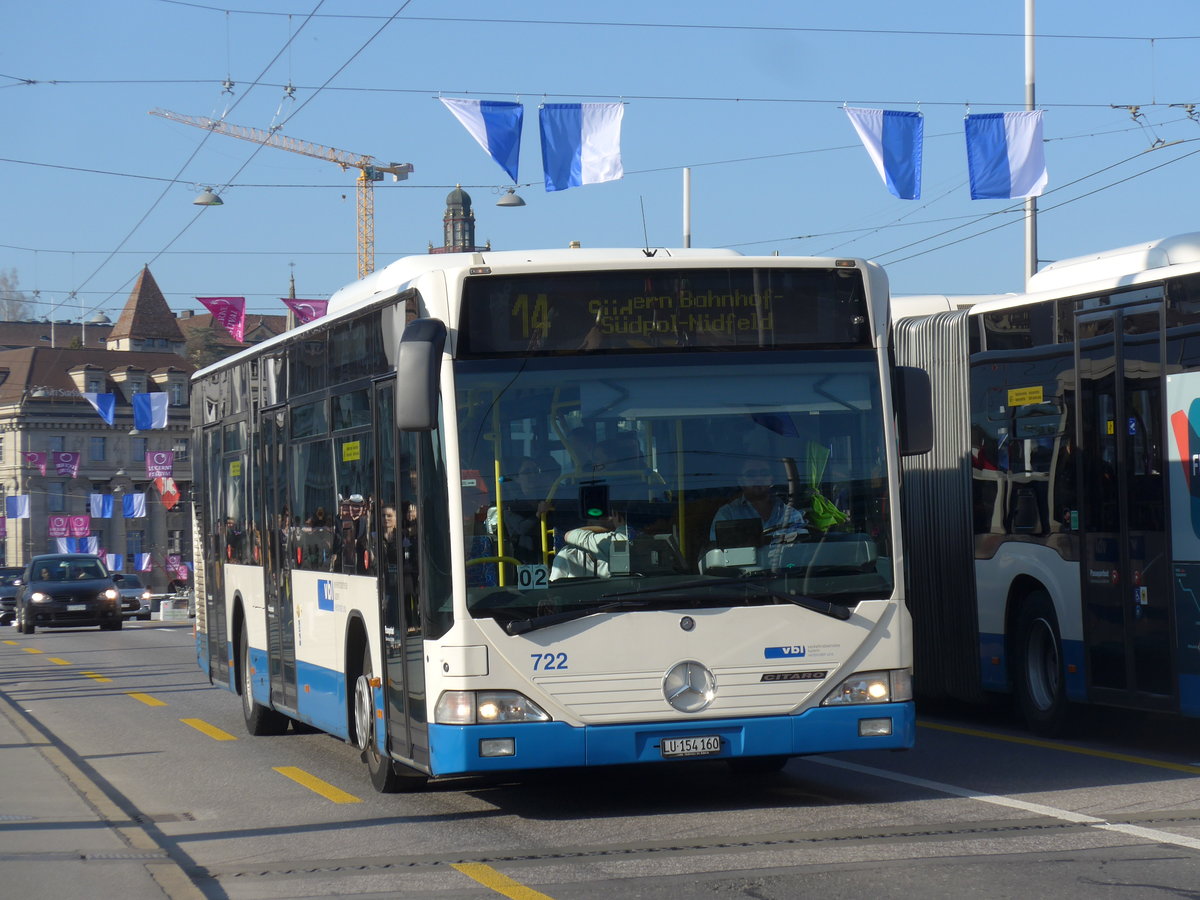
[79, 526]
[37, 458]
[230, 312]
[66, 463]
[160, 463]
[58, 526]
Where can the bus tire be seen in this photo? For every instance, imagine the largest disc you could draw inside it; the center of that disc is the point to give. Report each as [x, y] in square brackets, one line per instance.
[387, 776]
[1038, 667]
[260, 721]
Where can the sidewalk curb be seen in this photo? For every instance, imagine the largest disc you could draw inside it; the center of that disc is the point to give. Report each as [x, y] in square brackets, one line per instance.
[167, 873]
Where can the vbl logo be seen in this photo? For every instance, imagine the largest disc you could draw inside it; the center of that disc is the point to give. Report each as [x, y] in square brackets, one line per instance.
[325, 594]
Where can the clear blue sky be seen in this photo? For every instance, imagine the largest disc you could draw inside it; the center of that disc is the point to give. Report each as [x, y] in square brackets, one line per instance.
[747, 94]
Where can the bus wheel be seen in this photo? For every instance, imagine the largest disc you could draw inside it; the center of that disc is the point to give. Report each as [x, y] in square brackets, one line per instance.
[1038, 667]
[260, 720]
[387, 777]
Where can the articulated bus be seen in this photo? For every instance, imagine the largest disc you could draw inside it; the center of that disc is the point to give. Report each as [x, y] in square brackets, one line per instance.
[510, 510]
[1054, 529]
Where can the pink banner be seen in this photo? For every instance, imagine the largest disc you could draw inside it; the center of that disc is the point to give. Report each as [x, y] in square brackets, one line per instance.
[66, 463]
[3, 526]
[79, 526]
[58, 526]
[160, 463]
[37, 458]
[306, 310]
[230, 312]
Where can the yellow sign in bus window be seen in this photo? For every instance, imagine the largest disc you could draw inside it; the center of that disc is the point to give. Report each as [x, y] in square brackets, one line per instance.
[1024, 396]
[235, 469]
[351, 451]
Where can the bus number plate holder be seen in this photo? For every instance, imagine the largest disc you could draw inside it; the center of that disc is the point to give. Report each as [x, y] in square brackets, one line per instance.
[704, 745]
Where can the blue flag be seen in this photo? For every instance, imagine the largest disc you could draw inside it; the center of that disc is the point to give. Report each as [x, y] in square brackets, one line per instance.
[894, 141]
[149, 411]
[495, 124]
[581, 143]
[1006, 156]
[133, 506]
[104, 404]
[101, 506]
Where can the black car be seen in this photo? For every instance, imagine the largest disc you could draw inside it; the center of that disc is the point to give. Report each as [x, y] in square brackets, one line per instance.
[8, 593]
[67, 590]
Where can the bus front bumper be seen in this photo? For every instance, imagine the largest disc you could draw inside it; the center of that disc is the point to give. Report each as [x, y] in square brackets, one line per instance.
[474, 749]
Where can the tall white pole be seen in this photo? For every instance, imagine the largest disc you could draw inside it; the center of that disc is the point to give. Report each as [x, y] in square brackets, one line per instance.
[1031, 242]
[687, 206]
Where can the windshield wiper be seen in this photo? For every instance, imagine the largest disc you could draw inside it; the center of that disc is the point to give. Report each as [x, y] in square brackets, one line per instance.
[524, 626]
[824, 607]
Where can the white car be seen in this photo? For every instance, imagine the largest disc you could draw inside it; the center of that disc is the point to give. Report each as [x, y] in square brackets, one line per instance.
[135, 598]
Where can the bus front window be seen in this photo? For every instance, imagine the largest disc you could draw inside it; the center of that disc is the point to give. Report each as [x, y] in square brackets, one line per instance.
[585, 479]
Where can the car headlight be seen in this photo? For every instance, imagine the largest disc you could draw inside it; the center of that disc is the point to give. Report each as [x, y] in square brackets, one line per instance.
[486, 707]
[39, 597]
[887, 686]
[109, 594]
[145, 596]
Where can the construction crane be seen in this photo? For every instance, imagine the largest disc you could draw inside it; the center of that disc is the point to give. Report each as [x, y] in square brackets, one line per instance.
[369, 171]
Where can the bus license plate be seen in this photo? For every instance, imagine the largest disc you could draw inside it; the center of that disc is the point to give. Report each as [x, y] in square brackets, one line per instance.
[706, 745]
[76, 607]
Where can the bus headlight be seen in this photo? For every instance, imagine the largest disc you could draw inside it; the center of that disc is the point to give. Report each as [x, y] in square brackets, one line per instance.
[888, 686]
[486, 707]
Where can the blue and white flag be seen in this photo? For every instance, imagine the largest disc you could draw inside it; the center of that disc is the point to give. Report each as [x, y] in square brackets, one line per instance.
[1005, 155]
[133, 506]
[104, 404]
[150, 411]
[894, 141]
[115, 561]
[101, 506]
[581, 143]
[17, 506]
[495, 124]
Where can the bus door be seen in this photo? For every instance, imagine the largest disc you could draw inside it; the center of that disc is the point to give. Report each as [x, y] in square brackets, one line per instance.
[214, 580]
[396, 565]
[281, 644]
[1126, 587]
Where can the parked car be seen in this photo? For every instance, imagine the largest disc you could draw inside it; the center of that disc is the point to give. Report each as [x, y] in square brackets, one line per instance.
[135, 597]
[67, 590]
[8, 593]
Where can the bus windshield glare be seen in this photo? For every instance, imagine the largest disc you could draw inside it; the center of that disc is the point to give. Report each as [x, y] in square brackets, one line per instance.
[674, 481]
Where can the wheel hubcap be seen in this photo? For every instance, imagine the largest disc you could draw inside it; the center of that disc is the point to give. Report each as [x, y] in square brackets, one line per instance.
[364, 710]
[1042, 665]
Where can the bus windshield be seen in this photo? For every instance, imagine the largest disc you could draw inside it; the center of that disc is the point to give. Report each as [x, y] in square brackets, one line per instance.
[676, 481]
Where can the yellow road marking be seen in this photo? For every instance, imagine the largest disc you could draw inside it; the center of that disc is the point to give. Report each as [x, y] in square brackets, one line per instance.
[211, 730]
[1066, 748]
[95, 677]
[499, 882]
[31, 649]
[147, 699]
[324, 788]
[14, 643]
[57, 661]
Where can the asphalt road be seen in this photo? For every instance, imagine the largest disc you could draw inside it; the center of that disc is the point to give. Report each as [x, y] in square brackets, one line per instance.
[118, 759]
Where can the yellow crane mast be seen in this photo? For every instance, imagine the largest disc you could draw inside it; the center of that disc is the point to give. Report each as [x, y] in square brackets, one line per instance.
[369, 171]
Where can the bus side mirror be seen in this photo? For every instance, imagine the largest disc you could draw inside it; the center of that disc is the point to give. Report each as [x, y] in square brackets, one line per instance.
[418, 366]
[914, 410]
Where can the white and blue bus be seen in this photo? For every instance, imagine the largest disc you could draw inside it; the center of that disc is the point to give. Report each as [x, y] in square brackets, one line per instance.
[514, 510]
[1054, 528]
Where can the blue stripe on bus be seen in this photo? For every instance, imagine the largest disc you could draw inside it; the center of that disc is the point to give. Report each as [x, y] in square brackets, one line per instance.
[454, 749]
[321, 698]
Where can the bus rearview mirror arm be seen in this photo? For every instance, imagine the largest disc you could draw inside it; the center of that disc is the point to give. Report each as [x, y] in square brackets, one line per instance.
[418, 365]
